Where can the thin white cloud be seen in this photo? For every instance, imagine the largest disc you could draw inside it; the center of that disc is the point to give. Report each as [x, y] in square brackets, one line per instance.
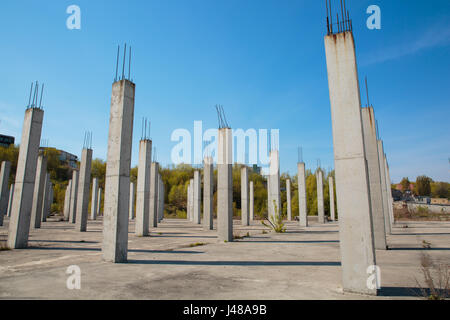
[437, 35]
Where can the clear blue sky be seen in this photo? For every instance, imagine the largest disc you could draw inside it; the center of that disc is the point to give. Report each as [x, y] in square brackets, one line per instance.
[264, 61]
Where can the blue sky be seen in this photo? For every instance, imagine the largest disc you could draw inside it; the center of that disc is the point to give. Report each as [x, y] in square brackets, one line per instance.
[264, 61]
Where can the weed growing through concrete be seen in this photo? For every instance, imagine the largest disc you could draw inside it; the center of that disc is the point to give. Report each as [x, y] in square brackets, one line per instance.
[436, 279]
[197, 244]
[276, 224]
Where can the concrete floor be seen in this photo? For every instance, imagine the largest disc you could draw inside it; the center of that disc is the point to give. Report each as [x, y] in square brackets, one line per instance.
[299, 264]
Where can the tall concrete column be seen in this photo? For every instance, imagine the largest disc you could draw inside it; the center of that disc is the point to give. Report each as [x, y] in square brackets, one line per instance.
[94, 199]
[208, 190]
[19, 225]
[302, 205]
[99, 212]
[153, 209]
[74, 196]
[384, 194]
[245, 217]
[225, 185]
[84, 184]
[39, 190]
[132, 202]
[4, 191]
[191, 200]
[320, 201]
[197, 197]
[252, 202]
[331, 189]
[373, 165]
[188, 202]
[160, 199]
[274, 197]
[143, 188]
[46, 198]
[352, 185]
[288, 199]
[51, 200]
[67, 200]
[389, 193]
[11, 196]
[117, 182]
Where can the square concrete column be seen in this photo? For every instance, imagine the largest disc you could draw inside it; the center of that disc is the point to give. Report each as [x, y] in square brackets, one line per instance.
[46, 198]
[160, 199]
[132, 201]
[11, 196]
[94, 199]
[389, 193]
[373, 165]
[320, 201]
[208, 191]
[302, 204]
[153, 209]
[117, 182]
[288, 199]
[39, 191]
[188, 202]
[74, 196]
[99, 212]
[384, 194]
[84, 184]
[352, 185]
[191, 200]
[4, 190]
[197, 197]
[245, 217]
[67, 200]
[225, 185]
[252, 202]
[274, 197]
[19, 224]
[331, 189]
[143, 189]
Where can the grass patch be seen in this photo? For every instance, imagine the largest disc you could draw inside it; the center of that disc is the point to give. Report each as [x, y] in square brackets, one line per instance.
[197, 244]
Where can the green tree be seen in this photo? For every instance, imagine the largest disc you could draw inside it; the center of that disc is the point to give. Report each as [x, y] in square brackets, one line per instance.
[405, 183]
[423, 186]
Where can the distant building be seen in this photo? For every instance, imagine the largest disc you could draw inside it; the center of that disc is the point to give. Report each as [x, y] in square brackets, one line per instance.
[441, 201]
[400, 187]
[67, 157]
[6, 141]
[256, 169]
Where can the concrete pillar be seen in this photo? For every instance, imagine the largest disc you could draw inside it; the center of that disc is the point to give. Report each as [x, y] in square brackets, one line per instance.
[160, 199]
[245, 217]
[191, 200]
[302, 204]
[197, 197]
[288, 199]
[252, 202]
[67, 200]
[389, 193]
[143, 188]
[40, 186]
[188, 202]
[373, 166]
[153, 209]
[225, 185]
[132, 201]
[84, 184]
[4, 191]
[19, 225]
[208, 193]
[11, 196]
[320, 201]
[74, 196]
[274, 197]
[331, 189]
[99, 212]
[352, 185]
[51, 200]
[46, 198]
[117, 182]
[94, 199]
[384, 194]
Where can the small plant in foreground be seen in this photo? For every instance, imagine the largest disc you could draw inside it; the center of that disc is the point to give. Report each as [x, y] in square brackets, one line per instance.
[436, 279]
